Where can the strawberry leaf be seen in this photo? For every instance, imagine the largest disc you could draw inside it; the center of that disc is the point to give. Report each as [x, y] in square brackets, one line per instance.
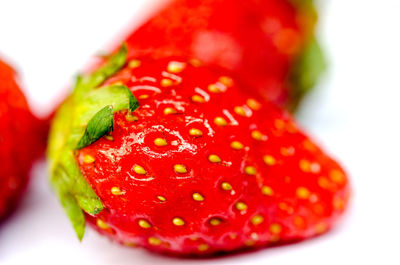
[133, 102]
[310, 65]
[83, 118]
[91, 111]
[74, 193]
[79, 122]
[101, 124]
[69, 203]
[112, 65]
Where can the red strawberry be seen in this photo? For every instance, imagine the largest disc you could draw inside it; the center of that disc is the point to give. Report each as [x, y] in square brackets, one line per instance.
[266, 43]
[200, 167]
[20, 140]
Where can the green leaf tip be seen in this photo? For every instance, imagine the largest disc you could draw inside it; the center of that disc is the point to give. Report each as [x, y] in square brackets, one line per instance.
[116, 98]
[84, 117]
[133, 102]
[113, 64]
[68, 202]
[308, 68]
[75, 214]
[101, 124]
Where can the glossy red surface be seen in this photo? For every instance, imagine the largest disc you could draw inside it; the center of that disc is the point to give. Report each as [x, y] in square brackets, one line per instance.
[292, 190]
[257, 41]
[21, 139]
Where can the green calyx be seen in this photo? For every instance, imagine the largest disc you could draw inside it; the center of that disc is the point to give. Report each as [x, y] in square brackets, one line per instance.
[114, 98]
[85, 117]
[310, 64]
[305, 73]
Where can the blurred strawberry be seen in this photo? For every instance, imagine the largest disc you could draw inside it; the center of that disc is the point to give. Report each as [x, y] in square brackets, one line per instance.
[177, 158]
[21, 140]
[269, 43]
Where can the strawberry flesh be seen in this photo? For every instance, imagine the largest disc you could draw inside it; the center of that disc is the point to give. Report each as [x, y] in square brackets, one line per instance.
[203, 167]
[21, 140]
[258, 41]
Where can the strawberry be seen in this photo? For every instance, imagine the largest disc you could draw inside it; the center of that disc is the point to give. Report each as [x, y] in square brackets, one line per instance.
[267, 43]
[177, 158]
[21, 140]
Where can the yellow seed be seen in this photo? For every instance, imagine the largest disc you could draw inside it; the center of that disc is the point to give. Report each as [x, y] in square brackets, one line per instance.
[116, 191]
[118, 83]
[144, 224]
[226, 186]
[288, 151]
[139, 170]
[215, 221]
[154, 241]
[298, 221]
[249, 170]
[338, 203]
[275, 229]
[88, 159]
[109, 137]
[180, 169]
[337, 176]
[269, 160]
[233, 236]
[249, 243]
[198, 99]
[198, 197]
[160, 142]
[305, 165]
[303, 193]
[134, 63]
[168, 111]
[214, 159]
[195, 132]
[240, 111]
[321, 228]
[213, 88]
[129, 117]
[176, 67]
[309, 146]
[267, 191]
[165, 82]
[178, 221]
[195, 62]
[323, 182]
[220, 121]
[241, 206]
[144, 96]
[280, 124]
[257, 135]
[226, 80]
[253, 104]
[257, 219]
[237, 145]
[203, 247]
[130, 244]
[161, 198]
[103, 225]
[285, 207]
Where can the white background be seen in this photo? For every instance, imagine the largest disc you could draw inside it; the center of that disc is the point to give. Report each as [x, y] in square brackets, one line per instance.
[354, 112]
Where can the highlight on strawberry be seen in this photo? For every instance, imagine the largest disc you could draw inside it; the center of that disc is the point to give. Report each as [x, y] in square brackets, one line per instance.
[269, 44]
[178, 158]
[21, 140]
